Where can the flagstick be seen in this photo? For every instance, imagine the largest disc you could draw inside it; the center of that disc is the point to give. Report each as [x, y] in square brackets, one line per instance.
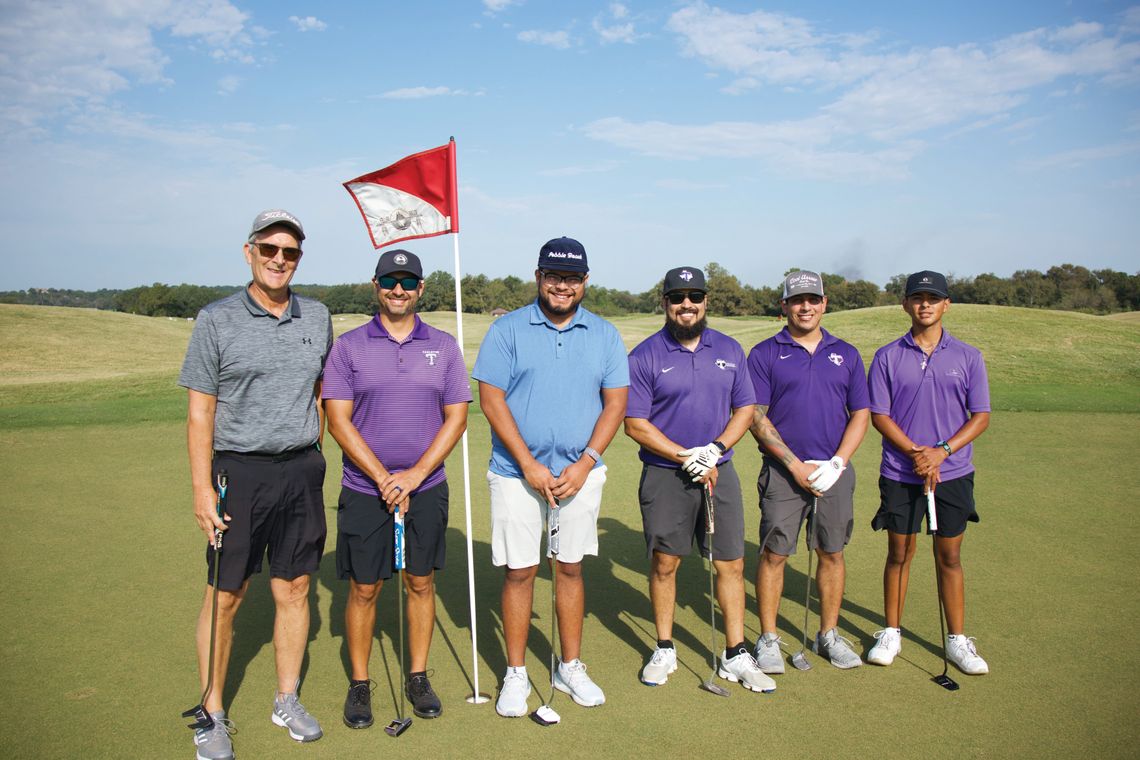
[476, 697]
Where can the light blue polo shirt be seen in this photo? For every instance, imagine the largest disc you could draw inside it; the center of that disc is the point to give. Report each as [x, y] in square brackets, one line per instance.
[553, 379]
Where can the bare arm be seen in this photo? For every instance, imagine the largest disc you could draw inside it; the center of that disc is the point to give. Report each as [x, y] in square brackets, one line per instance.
[454, 423]
[493, 402]
[201, 408]
[570, 481]
[770, 441]
[928, 459]
[320, 415]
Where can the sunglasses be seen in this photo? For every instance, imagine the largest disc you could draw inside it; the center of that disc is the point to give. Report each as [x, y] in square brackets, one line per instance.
[407, 283]
[269, 251]
[677, 297]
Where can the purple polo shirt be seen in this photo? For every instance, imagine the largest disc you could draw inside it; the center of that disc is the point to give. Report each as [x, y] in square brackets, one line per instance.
[930, 399]
[398, 391]
[810, 396]
[687, 395]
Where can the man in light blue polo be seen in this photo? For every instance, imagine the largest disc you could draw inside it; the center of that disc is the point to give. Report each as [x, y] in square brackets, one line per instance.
[553, 380]
[690, 393]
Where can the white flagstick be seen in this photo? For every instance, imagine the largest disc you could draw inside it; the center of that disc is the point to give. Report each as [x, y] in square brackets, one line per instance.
[476, 697]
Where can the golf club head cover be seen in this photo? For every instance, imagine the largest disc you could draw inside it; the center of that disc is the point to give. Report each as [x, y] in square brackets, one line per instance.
[826, 473]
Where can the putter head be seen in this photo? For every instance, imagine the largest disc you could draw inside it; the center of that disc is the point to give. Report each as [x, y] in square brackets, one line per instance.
[202, 718]
[398, 726]
[714, 688]
[545, 716]
[946, 682]
[800, 661]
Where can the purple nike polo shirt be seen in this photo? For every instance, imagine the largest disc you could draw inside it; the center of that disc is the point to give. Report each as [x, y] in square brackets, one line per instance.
[810, 396]
[398, 391]
[930, 399]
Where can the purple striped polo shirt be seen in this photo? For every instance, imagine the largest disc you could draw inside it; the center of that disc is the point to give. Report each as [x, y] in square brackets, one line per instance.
[398, 391]
[930, 399]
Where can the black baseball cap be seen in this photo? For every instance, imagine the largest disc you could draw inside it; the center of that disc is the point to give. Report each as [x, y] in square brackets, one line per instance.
[563, 255]
[684, 278]
[927, 282]
[399, 260]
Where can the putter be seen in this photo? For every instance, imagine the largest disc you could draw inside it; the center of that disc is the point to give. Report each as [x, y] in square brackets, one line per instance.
[799, 659]
[545, 714]
[201, 716]
[400, 724]
[944, 680]
[710, 528]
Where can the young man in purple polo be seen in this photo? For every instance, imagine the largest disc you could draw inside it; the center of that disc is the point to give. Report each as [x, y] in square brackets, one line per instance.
[690, 401]
[930, 399]
[811, 416]
[396, 395]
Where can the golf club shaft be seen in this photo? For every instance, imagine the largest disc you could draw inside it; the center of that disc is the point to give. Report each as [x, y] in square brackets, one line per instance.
[398, 520]
[710, 530]
[811, 556]
[552, 544]
[223, 483]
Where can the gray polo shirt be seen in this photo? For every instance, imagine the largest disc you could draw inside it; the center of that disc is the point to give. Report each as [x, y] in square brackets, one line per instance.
[261, 369]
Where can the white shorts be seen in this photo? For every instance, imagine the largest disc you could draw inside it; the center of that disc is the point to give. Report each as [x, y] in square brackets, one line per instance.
[518, 515]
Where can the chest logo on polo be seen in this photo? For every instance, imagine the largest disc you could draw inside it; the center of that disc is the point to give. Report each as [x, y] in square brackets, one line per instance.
[666, 369]
[835, 359]
[722, 364]
[431, 356]
[307, 341]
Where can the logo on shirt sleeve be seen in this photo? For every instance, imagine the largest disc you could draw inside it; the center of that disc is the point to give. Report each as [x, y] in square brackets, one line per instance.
[835, 359]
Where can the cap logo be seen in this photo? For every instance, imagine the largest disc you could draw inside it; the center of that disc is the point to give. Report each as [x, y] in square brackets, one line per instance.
[926, 279]
[400, 258]
[686, 275]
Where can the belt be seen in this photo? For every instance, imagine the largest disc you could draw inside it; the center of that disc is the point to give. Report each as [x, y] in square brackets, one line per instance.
[267, 456]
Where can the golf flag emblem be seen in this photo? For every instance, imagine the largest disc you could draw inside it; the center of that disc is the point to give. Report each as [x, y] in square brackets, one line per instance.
[415, 197]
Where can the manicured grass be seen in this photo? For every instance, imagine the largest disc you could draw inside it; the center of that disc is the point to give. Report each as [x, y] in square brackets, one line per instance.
[105, 572]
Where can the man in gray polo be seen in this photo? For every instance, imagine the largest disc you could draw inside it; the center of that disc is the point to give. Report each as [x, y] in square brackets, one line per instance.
[253, 372]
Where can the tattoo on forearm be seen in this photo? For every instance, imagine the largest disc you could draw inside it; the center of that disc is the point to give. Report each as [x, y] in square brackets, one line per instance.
[769, 437]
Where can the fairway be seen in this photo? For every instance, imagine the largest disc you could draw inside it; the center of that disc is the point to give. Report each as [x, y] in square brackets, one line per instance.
[105, 573]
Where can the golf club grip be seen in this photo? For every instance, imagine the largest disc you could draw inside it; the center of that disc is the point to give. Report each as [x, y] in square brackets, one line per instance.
[223, 486]
[398, 521]
[710, 509]
[552, 527]
[931, 513]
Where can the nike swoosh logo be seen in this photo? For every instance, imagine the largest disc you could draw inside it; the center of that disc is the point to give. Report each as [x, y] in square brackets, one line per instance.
[785, 357]
[667, 369]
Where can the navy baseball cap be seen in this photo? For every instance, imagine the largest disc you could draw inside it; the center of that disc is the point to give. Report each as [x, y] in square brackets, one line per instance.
[277, 216]
[801, 282]
[563, 255]
[399, 260]
[927, 282]
[684, 278]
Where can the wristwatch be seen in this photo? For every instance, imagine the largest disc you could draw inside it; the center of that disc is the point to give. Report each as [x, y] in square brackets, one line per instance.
[592, 454]
[720, 446]
[946, 446]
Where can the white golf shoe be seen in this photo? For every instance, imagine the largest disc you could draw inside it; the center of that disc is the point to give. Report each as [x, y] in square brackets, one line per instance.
[743, 669]
[887, 646]
[513, 695]
[660, 666]
[961, 651]
[571, 678]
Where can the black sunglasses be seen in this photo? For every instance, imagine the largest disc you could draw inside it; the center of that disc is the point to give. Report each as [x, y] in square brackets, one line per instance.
[678, 297]
[269, 251]
[407, 283]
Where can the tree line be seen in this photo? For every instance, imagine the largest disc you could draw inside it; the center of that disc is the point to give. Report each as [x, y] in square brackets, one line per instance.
[1067, 286]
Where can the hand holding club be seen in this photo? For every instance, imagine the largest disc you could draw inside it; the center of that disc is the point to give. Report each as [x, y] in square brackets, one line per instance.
[826, 473]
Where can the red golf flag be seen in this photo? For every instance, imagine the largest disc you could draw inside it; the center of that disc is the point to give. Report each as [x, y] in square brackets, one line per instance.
[415, 197]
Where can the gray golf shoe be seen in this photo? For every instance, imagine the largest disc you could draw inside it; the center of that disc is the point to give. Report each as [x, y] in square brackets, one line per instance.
[836, 649]
[214, 743]
[291, 714]
[768, 654]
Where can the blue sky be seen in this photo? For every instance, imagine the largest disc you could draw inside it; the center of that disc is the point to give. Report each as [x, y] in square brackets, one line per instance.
[138, 138]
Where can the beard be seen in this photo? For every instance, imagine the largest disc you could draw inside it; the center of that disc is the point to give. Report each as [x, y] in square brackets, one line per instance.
[682, 333]
[561, 310]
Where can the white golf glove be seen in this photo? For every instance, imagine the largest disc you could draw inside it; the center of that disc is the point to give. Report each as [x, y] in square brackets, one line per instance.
[700, 459]
[826, 473]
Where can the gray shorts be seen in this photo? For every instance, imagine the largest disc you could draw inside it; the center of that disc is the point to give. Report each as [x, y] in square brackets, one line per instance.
[673, 514]
[784, 506]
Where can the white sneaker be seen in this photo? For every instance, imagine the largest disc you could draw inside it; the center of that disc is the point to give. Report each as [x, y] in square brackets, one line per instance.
[887, 646]
[836, 649]
[571, 678]
[660, 665]
[513, 695]
[768, 654]
[743, 669]
[961, 651]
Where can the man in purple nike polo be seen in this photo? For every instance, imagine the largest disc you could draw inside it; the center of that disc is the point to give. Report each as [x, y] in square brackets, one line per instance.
[811, 416]
[396, 395]
[690, 401]
[930, 399]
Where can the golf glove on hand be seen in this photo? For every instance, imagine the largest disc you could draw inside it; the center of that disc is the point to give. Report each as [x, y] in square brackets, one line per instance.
[700, 459]
[826, 473]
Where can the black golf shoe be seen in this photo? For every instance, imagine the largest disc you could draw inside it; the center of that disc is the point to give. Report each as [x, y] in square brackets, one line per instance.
[358, 705]
[425, 704]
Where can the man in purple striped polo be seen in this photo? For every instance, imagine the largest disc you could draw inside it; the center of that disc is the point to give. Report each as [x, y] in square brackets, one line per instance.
[395, 393]
[690, 401]
[930, 399]
[811, 416]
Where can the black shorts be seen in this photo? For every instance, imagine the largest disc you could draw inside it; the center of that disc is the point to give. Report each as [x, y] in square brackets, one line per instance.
[365, 541]
[673, 513]
[902, 506]
[276, 504]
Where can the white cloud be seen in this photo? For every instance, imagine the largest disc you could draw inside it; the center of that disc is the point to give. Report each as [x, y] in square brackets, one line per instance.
[308, 24]
[574, 171]
[496, 6]
[228, 85]
[685, 185]
[1078, 157]
[559, 40]
[615, 32]
[417, 93]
